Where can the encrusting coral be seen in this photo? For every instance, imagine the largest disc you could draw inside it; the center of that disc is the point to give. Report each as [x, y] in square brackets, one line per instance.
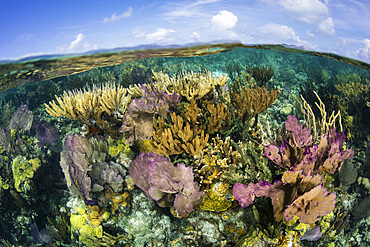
[217, 198]
[91, 106]
[23, 171]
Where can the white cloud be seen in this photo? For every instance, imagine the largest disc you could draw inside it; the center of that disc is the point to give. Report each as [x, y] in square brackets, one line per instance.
[311, 34]
[77, 42]
[88, 47]
[327, 26]
[364, 52]
[115, 17]
[224, 20]
[195, 36]
[138, 33]
[160, 34]
[77, 45]
[280, 34]
[347, 41]
[186, 9]
[309, 11]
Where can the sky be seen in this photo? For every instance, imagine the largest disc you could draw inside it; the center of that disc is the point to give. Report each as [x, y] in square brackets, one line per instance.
[30, 27]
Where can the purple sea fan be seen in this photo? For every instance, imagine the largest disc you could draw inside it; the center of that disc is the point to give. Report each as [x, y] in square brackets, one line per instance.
[40, 237]
[166, 184]
[280, 156]
[310, 206]
[139, 170]
[75, 163]
[246, 194]
[177, 180]
[5, 140]
[22, 119]
[47, 135]
[301, 135]
[330, 153]
[138, 122]
[111, 176]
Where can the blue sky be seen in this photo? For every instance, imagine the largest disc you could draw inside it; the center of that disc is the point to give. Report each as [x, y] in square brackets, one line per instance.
[32, 27]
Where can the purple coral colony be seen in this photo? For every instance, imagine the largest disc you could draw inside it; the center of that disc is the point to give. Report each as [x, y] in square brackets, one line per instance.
[183, 159]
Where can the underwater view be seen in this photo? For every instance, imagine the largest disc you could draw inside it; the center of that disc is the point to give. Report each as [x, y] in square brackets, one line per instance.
[219, 145]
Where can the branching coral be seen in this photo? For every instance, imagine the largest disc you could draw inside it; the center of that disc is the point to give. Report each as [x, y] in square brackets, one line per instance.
[325, 124]
[138, 122]
[260, 74]
[178, 137]
[90, 105]
[352, 91]
[256, 99]
[190, 85]
[220, 117]
[192, 112]
[217, 159]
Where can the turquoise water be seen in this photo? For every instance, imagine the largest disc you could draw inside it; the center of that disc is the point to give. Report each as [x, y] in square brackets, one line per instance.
[101, 207]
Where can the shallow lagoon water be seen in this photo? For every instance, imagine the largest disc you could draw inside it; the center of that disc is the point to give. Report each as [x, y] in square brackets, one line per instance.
[34, 189]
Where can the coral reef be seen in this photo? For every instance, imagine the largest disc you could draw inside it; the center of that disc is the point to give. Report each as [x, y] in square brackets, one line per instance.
[167, 153]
